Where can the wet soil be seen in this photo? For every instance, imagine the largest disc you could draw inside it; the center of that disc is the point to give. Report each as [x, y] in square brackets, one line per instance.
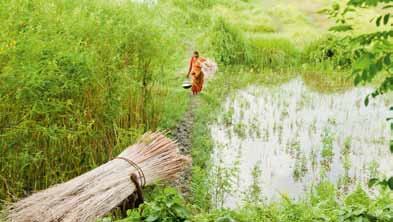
[183, 134]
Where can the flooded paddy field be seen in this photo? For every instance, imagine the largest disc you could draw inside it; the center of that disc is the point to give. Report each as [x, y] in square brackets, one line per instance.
[285, 139]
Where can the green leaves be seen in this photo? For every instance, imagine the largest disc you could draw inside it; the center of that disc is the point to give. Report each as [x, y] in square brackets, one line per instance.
[387, 6]
[152, 218]
[341, 28]
[378, 21]
[372, 182]
[167, 206]
[181, 211]
[366, 100]
[225, 218]
[367, 3]
[336, 6]
[367, 67]
[372, 50]
[373, 57]
[382, 18]
[391, 142]
[387, 60]
[357, 80]
[388, 183]
[386, 19]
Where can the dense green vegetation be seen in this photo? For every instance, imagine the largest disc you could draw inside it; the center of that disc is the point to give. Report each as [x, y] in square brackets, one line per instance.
[81, 80]
[321, 205]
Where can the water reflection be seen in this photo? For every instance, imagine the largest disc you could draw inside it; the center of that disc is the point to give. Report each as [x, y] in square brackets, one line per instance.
[296, 137]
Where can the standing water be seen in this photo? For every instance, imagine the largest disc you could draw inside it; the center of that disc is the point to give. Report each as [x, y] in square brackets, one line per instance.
[285, 139]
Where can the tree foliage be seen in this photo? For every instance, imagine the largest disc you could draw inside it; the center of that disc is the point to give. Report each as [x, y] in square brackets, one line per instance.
[372, 52]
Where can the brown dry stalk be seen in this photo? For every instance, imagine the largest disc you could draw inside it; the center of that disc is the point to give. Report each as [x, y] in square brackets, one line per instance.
[95, 193]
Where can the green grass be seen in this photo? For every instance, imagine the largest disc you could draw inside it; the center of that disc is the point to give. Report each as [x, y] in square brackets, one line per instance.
[80, 81]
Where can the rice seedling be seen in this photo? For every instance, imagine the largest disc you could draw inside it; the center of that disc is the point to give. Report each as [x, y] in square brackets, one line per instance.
[327, 152]
[324, 151]
[254, 193]
[373, 169]
[300, 167]
[240, 130]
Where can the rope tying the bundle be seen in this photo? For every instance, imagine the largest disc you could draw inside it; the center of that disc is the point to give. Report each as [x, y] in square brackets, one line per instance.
[142, 177]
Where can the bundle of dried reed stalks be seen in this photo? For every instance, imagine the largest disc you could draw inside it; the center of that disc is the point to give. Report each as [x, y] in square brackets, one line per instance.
[95, 193]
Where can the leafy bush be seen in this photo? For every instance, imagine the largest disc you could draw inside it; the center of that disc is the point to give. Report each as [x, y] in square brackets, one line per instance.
[322, 205]
[167, 206]
[328, 51]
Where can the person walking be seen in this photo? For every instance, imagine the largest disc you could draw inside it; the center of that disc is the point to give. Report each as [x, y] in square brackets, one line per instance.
[195, 70]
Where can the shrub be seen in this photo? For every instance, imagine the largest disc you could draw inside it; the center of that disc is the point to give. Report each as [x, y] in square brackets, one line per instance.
[330, 51]
[167, 206]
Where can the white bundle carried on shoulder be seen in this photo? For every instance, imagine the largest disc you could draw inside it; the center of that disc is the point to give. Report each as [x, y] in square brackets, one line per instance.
[209, 68]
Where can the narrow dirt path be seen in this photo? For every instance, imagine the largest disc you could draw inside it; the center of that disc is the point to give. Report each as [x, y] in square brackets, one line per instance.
[183, 130]
[183, 135]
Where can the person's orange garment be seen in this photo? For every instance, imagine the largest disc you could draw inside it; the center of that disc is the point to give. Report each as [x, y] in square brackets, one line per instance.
[196, 74]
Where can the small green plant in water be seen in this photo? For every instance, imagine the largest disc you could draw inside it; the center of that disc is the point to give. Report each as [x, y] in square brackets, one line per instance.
[228, 116]
[327, 149]
[254, 193]
[240, 130]
[300, 169]
[223, 179]
[345, 153]
[373, 169]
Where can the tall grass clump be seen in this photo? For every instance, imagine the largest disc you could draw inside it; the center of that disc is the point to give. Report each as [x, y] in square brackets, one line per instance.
[274, 53]
[228, 44]
[79, 80]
